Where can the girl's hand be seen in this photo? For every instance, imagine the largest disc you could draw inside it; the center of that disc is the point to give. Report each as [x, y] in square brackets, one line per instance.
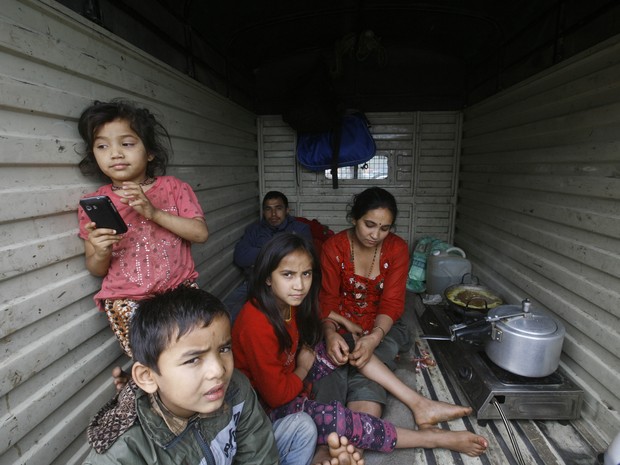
[102, 239]
[305, 358]
[98, 248]
[337, 348]
[364, 348]
[190, 229]
[304, 362]
[351, 327]
[133, 195]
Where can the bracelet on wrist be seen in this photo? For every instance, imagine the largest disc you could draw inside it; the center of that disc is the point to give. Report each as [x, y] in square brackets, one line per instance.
[382, 331]
[334, 322]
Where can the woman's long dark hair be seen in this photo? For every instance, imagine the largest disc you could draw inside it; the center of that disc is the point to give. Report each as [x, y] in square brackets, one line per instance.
[261, 294]
[371, 199]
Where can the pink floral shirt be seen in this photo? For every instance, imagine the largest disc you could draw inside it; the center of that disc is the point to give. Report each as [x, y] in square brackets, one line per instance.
[149, 258]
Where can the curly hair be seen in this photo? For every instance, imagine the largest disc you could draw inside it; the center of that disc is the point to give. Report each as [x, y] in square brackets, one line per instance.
[144, 123]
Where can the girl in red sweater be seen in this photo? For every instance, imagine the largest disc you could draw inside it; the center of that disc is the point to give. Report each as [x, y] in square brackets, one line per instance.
[276, 343]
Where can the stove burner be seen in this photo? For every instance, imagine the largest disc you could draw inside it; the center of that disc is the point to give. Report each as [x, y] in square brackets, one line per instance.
[553, 397]
[506, 377]
[458, 317]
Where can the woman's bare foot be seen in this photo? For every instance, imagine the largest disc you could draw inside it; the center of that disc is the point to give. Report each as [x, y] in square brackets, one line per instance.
[464, 442]
[337, 452]
[428, 413]
[119, 378]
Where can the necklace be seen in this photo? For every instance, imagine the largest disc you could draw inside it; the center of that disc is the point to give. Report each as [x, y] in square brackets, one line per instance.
[146, 182]
[372, 264]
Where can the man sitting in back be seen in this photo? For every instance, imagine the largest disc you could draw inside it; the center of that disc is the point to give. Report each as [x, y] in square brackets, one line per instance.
[275, 219]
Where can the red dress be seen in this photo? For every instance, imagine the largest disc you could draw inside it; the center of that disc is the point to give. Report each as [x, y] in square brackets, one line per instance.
[358, 298]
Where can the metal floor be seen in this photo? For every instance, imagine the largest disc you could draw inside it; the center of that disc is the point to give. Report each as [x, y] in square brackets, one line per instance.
[539, 442]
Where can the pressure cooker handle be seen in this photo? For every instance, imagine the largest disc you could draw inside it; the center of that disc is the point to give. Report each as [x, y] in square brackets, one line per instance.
[433, 337]
[476, 332]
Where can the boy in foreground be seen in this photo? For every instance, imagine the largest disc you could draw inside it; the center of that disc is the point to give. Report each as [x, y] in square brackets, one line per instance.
[185, 403]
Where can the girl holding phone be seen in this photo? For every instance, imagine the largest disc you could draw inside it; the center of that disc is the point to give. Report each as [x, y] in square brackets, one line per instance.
[124, 145]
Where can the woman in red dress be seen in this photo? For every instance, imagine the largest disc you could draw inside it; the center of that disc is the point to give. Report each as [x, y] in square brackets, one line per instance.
[363, 292]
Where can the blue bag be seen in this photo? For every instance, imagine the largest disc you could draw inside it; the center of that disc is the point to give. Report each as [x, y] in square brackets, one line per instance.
[349, 144]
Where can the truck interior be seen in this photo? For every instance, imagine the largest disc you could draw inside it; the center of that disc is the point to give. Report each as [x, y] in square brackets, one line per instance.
[374, 55]
[497, 129]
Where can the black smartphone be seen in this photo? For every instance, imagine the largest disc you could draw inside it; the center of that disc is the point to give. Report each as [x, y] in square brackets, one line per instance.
[102, 211]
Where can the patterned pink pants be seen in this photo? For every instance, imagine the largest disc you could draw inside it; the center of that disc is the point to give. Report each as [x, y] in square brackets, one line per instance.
[361, 429]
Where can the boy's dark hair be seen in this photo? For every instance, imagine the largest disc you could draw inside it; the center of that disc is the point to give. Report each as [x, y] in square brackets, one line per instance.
[371, 199]
[168, 315]
[275, 195]
[308, 315]
[151, 132]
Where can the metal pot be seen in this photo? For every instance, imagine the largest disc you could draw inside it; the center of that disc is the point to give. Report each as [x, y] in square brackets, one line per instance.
[524, 341]
[472, 300]
[516, 338]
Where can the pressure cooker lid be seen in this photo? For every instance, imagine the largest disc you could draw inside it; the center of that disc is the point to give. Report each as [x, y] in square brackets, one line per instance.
[532, 323]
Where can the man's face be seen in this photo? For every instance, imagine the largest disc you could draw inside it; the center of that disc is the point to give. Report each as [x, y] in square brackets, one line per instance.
[274, 211]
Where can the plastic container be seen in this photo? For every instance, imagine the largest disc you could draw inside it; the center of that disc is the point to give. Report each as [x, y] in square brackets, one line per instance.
[612, 454]
[445, 269]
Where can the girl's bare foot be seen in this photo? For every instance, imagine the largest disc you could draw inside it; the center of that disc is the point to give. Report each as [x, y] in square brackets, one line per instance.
[119, 378]
[428, 413]
[321, 456]
[464, 442]
[337, 452]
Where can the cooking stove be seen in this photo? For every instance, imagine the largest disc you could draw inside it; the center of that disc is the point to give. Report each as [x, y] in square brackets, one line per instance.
[553, 397]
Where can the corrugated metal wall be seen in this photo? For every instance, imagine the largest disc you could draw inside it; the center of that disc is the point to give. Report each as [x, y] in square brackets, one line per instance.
[539, 209]
[57, 350]
[422, 150]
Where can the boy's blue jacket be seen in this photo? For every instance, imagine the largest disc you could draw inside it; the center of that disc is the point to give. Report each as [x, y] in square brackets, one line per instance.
[128, 431]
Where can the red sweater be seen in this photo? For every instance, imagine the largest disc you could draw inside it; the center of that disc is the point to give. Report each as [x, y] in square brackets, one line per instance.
[256, 354]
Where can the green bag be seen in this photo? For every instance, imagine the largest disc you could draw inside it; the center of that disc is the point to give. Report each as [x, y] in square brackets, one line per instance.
[416, 280]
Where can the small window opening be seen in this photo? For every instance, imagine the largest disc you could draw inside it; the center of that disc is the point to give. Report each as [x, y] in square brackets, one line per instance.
[375, 168]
